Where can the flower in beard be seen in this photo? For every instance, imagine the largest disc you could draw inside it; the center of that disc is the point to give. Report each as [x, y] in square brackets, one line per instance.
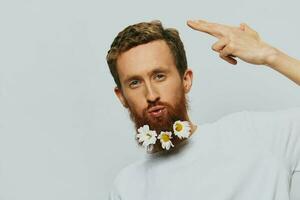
[165, 139]
[182, 129]
[173, 111]
[146, 135]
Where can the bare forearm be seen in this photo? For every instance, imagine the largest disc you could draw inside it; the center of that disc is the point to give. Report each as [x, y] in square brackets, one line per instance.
[284, 64]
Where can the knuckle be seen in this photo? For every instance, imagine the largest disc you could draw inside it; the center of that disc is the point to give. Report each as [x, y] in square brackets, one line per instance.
[214, 48]
[231, 46]
[222, 54]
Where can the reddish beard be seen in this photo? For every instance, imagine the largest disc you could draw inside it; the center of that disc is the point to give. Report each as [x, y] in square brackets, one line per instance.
[164, 122]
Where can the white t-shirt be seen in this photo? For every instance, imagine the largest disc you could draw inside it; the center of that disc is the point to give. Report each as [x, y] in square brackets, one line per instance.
[246, 155]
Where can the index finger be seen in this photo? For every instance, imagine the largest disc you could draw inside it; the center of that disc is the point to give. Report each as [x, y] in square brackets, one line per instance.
[216, 30]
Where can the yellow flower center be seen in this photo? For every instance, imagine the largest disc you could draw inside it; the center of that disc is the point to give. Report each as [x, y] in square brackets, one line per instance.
[165, 137]
[178, 127]
[148, 136]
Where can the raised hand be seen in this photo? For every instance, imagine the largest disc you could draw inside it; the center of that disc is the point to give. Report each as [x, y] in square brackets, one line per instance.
[242, 42]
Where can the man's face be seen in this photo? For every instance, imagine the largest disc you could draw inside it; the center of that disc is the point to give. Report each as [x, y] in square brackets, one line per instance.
[152, 88]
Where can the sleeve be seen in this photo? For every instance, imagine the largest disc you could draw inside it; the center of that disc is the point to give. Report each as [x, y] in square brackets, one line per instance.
[114, 193]
[280, 131]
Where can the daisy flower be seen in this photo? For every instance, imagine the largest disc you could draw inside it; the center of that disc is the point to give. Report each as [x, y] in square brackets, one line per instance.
[182, 129]
[165, 141]
[146, 135]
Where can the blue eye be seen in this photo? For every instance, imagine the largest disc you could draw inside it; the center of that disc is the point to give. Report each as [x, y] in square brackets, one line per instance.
[133, 83]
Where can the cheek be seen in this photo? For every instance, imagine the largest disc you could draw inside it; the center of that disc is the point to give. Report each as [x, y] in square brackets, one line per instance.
[172, 91]
[136, 103]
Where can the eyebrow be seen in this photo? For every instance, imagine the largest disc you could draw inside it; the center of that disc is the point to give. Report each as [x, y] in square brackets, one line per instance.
[154, 71]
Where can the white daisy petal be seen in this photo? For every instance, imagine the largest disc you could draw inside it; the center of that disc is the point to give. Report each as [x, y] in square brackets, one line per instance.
[146, 136]
[165, 141]
[168, 146]
[181, 129]
[150, 148]
[143, 129]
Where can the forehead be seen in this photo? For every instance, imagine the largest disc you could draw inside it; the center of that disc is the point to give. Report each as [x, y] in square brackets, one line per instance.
[144, 58]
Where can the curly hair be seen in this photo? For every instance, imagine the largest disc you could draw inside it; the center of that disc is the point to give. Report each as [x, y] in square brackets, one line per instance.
[142, 33]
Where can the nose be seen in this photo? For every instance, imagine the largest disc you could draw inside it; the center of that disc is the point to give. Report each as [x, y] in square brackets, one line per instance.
[151, 94]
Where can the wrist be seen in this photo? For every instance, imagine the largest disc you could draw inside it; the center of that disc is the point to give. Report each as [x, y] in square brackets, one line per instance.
[271, 57]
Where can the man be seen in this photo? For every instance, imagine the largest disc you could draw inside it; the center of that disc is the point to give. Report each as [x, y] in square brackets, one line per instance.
[245, 155]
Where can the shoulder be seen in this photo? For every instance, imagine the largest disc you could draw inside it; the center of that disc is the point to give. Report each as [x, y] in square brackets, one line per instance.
[249, 121]
[233, 116]
[285, 115]
[276, 122]
[269, 115]
[236, 118]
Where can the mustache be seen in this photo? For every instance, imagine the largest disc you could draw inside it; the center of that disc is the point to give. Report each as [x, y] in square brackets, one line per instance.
[158, 103]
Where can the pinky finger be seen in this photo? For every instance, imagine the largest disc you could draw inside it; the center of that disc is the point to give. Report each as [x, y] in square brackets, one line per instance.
[228, 59]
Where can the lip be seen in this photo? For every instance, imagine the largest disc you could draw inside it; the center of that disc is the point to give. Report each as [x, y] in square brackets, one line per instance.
[155, 108]
[156, 111]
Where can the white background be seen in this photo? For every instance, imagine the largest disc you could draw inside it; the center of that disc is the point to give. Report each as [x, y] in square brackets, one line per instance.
[63, 133]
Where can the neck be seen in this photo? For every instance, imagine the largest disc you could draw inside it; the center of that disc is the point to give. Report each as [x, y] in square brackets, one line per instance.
[193, 128]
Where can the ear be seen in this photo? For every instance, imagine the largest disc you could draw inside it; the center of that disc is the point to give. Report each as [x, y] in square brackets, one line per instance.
[187, 80]
[121, 97]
